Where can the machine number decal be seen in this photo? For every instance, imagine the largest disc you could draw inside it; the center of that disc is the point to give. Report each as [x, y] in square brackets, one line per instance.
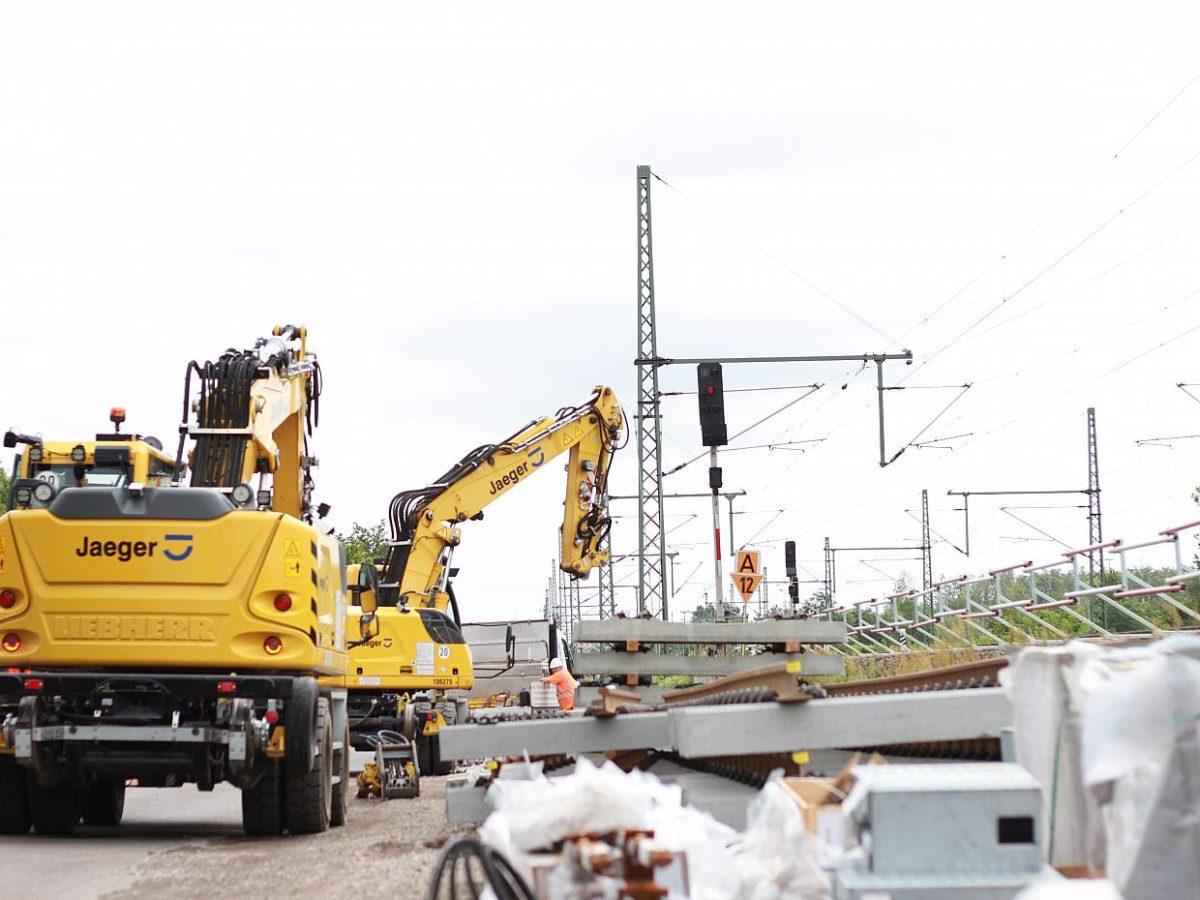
[443, 651]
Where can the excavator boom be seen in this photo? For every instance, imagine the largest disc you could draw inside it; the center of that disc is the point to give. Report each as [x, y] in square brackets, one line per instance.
[425, 521]
[411, 651]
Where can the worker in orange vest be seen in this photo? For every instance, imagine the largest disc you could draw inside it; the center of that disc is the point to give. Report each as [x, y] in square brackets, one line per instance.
[564, 683]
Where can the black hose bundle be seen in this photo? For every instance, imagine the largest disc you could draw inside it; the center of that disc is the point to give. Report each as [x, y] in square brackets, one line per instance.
[224, 403]
[465, 866]
[404, 513]
[406, 507]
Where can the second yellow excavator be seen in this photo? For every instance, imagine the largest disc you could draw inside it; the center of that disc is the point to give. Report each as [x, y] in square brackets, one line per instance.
[410, 650]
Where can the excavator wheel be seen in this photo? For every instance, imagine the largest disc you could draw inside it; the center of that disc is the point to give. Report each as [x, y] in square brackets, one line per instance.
[410, 721]
[449, 711]
[54, 810]
[300, 723]
[14, 798]
[262, 805]
[308, 794]
[425, 754]
[341, 790]
[103, 803]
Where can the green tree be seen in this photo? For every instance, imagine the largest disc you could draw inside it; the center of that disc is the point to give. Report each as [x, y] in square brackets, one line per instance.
[365, 543]
[5, 487]
[816, 603]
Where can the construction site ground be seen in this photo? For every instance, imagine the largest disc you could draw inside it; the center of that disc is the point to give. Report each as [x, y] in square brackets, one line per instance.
[182, 843]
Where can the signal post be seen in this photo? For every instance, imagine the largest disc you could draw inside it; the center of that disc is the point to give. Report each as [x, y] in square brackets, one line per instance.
[713, 434]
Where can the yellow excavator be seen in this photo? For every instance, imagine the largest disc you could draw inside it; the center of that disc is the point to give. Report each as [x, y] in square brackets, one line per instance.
[410, 650]
[174, 634]
[44, 468]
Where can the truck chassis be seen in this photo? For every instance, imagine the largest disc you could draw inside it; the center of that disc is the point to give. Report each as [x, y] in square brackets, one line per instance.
[70, 743]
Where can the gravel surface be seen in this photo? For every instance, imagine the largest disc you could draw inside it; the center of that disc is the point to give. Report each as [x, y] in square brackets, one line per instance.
[386, 849]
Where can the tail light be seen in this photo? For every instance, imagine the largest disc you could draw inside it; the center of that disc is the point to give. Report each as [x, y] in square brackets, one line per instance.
[272, 646]
[11, 643]
[34, 684]
[283, 602]
[272, 717]
[7, 599]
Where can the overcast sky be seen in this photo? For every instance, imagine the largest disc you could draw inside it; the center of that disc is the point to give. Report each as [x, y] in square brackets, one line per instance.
[447, 200]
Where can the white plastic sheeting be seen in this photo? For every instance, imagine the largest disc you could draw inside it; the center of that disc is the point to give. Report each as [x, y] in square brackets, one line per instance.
[774, 859]
[1046, 727]
[1081, 889]
[777, 857]
[1112, 734]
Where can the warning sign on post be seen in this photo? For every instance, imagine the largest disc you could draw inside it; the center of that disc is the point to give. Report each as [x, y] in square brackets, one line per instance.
[746, 585]
[746, 575]
[747, 563]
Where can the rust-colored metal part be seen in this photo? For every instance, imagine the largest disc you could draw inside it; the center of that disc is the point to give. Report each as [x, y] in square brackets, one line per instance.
[612, 701]
[627, 760]
[771, 682]
[631, 856]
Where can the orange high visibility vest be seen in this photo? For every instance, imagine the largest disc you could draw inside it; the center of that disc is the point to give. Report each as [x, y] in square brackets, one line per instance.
[564, 686]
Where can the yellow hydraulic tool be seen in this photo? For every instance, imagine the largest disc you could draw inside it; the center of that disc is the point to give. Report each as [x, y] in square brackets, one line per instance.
[176, 634]
[410, 649]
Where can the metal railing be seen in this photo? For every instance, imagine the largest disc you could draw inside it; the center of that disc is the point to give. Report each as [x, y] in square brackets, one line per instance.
[983, 612]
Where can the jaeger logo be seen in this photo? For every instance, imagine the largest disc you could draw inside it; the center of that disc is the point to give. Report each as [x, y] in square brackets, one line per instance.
[187, 551]
[124, 551]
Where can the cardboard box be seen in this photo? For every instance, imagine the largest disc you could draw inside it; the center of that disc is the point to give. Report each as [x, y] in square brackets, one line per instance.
[820, 801]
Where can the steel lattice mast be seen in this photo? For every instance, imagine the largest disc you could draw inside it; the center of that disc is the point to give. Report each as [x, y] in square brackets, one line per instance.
[652, 553]
[606, 600]
[926, 548]
[1095, 531]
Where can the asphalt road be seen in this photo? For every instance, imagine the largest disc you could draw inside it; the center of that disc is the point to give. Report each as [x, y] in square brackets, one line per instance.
[181, 843]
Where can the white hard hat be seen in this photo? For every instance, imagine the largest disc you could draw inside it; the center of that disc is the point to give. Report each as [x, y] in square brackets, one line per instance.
[556, 663]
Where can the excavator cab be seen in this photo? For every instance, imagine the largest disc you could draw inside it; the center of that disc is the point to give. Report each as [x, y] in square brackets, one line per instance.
[43, 469]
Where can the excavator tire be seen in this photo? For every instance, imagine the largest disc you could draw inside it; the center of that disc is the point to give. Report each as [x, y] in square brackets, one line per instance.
[14, 798]
[426, 753]
[103, 803]
[300, 724]
[308, 795]
[262, 805]
[341, 790]
[54, 810]
[449, 711]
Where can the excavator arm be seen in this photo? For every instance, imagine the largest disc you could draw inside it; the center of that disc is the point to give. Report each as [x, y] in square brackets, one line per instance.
[425, 521]
[254, 413]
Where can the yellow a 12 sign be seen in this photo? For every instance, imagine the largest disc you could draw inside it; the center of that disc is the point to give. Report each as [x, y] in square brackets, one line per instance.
[746, 574]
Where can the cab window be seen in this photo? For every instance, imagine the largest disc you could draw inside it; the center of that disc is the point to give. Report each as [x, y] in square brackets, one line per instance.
[159, 473]
[93, 475]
